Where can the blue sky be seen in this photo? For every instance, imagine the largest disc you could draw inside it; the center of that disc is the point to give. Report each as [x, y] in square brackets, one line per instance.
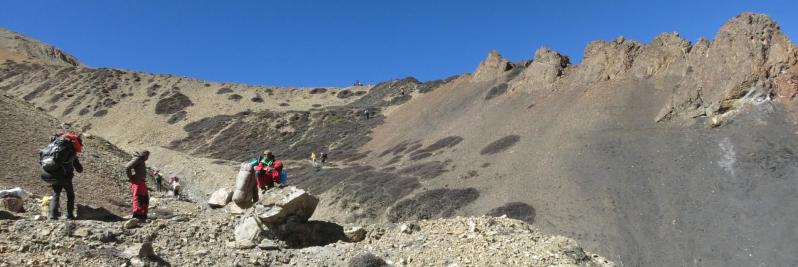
[333, 43]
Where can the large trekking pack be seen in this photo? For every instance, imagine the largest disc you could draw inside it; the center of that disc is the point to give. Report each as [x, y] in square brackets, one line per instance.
[53, 157]
[246, 187]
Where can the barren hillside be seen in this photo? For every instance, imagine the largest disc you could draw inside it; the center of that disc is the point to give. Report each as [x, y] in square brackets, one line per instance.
[668, 153]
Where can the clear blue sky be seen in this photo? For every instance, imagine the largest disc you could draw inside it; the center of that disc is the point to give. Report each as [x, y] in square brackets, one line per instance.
[333, 43]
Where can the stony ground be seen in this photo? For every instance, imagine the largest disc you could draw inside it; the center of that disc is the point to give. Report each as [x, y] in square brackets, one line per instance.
[184, 233]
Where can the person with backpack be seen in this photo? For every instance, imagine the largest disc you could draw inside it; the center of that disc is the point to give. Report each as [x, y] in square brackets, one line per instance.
[136, 171]
[323, 157]
[267, 170]
[59, 161]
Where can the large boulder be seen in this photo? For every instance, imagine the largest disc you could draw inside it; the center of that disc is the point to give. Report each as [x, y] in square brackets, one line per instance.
[12, 204]
[220, 198]
[250, 229]
[279, 204]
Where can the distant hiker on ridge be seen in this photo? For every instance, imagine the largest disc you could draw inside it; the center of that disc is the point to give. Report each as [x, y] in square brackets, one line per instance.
[323, 157]
[267, 170]
[313, 158]
[136, 171]
[59, 161]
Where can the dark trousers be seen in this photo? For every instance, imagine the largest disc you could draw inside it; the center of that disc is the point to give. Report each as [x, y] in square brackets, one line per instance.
[70, 194]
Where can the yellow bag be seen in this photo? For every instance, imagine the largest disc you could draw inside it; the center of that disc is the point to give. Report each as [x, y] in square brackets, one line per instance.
[44, 206]
[45, 201]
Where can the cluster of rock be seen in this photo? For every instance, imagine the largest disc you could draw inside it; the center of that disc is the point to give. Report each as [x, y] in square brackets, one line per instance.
[281, 219]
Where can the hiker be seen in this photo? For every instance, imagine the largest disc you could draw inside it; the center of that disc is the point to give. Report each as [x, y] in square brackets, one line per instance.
[323, 157]
[158, 180]
[366, 113]
[313, 158]
[357, 83]
[136, 171]
[267, 170]
[174, 184]
[59, 161]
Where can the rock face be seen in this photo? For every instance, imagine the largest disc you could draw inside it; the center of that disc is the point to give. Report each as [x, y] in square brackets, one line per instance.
[220, 198]
[280, 204]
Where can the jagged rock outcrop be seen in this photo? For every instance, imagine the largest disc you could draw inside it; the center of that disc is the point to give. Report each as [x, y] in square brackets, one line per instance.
[543, 71]
[735, 67]
[492, 67]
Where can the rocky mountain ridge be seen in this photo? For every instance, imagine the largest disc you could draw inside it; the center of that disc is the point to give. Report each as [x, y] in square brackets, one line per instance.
[31, 48]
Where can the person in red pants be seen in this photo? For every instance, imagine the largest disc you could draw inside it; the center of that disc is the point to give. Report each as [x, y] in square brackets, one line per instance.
[136, 171]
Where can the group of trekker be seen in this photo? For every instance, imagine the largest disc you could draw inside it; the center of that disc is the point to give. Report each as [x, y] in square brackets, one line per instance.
[59, 160]
[318, 161]
[174, 183]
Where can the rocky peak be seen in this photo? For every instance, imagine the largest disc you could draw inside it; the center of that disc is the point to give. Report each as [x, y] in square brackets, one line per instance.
[671, 41]
[492, 67]
[548, 56]
[605, 60]
[748, 25]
